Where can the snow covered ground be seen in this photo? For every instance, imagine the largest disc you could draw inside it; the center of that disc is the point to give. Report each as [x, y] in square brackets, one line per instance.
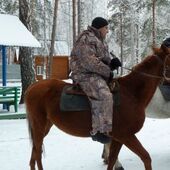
[65, 152]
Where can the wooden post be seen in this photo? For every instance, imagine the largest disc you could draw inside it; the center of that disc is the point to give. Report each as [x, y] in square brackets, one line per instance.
[4, 65]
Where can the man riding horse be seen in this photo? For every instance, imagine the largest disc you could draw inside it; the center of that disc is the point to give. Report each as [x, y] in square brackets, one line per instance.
[92, 68]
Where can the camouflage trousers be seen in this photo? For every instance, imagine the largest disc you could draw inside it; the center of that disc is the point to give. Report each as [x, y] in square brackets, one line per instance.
[101, 103]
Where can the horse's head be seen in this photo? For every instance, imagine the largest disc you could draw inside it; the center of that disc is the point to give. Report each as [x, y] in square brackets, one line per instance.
[164, 53]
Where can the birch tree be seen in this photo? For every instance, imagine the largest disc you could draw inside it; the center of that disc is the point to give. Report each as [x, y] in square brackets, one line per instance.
[53, 36]
[74, 12]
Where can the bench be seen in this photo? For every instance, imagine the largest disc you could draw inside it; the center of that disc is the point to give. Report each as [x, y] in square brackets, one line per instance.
[10, 96]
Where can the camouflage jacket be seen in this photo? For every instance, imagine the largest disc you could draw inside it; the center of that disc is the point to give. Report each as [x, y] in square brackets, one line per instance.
[90, 56]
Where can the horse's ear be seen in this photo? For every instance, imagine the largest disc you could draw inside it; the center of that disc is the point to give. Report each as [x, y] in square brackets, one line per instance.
[155, 49]
[165, 49]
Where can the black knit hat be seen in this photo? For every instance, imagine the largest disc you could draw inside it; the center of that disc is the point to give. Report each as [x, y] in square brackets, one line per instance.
[99, 22]
[166, 42]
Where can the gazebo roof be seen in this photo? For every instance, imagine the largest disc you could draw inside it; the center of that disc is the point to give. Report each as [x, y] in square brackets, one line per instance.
[14, 33]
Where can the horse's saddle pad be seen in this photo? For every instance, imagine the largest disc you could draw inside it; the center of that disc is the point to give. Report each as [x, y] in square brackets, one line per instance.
[73, 102]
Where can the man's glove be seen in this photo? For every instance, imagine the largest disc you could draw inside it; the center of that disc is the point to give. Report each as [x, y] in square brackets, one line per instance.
[115, 63]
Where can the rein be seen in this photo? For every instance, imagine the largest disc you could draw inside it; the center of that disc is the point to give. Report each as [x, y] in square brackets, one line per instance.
[145, 74]
[166, 68]
[150, 75]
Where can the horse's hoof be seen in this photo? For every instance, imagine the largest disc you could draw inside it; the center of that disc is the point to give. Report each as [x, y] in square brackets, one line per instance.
[120, 168]
[105, 162]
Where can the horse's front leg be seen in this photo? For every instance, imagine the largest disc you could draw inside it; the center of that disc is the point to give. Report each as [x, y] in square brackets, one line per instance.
[105, 153]
[113, 154]
[105, 156]
[118, 165]
[135, 146]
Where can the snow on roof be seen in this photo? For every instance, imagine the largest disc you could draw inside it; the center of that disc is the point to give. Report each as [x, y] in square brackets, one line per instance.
[14, 33]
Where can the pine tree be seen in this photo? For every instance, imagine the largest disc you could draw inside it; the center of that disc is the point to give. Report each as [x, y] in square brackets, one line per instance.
[137, 23]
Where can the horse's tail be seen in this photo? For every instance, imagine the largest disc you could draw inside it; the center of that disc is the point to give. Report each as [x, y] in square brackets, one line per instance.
[29, 127]
[31, 118]
[27, 116]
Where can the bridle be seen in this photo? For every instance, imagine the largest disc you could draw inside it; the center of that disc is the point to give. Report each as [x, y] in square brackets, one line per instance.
[165, 69]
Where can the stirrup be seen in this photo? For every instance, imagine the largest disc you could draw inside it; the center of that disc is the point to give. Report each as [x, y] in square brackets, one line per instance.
[101, 137]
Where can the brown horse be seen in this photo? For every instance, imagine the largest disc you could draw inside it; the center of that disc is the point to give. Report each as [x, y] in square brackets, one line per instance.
[158, 108]
[42, 101]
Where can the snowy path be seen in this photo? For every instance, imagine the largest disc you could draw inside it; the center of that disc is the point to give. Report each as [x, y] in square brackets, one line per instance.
[64, 152]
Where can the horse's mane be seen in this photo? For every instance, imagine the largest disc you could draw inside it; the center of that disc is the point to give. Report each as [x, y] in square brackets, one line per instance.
[134, 82]
[145, 63]
[143, 67]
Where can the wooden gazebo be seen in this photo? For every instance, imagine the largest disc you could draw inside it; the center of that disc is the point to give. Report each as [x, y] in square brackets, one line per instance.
[13, 33]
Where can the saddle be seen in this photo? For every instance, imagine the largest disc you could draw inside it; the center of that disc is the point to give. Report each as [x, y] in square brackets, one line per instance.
[74, 99]
[74, 89]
